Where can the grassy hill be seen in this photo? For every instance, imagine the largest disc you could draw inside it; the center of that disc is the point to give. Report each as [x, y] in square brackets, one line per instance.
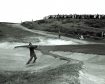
[72, 27]
[10, 33]
[69, 26]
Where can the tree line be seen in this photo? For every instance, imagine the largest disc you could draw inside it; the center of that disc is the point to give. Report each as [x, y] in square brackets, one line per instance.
[76, 16]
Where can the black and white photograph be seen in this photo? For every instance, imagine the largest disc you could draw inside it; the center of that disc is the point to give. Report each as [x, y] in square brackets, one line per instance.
[52, 41]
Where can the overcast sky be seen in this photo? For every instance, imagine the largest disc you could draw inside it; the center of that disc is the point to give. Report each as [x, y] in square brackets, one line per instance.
[26, 10]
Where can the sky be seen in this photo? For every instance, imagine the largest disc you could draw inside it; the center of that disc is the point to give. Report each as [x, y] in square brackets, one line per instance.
[26, 10]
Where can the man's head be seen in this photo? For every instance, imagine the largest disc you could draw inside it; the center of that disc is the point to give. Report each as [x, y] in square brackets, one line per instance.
[30, 44]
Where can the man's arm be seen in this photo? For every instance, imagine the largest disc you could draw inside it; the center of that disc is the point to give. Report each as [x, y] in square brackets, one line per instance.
[35, 47]
[21, 46]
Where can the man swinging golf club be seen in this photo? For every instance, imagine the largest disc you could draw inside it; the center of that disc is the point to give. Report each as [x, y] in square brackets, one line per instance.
[32, 52]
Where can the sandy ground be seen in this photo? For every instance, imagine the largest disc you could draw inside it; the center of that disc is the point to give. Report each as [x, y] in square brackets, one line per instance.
[51, 70]
[15, 59]
[46, 70]
[93, 71]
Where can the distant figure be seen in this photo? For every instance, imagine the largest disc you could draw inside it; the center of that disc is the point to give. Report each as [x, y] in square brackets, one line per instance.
[102, 34]
[59, 34]
[32, 52]
[81, 37]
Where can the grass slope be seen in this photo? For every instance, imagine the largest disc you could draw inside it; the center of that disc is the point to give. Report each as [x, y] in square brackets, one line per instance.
[8, 32]
[91, 28]
[67, 25]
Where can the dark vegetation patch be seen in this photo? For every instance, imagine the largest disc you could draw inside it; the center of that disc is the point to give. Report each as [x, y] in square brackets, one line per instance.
[96, 23]
[44, 77]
